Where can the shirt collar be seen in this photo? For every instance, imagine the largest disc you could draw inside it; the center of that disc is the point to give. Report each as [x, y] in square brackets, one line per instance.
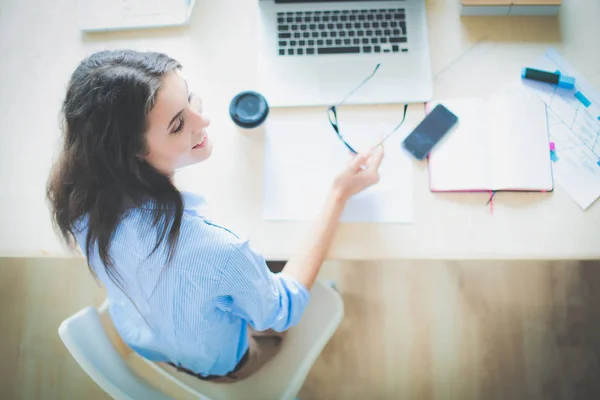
[192, 203]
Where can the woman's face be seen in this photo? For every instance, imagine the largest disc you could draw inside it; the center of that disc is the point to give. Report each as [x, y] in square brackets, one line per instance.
[176, 135]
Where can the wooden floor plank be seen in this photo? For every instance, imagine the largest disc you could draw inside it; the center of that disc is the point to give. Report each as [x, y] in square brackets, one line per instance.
[412, 330]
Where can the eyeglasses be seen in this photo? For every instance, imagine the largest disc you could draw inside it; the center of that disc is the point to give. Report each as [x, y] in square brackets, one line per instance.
[333, 119]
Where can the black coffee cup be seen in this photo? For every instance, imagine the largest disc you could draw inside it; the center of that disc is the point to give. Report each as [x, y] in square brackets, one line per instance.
[248, 109]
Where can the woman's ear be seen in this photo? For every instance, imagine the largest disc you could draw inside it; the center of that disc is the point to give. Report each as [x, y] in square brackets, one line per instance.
[143, 152]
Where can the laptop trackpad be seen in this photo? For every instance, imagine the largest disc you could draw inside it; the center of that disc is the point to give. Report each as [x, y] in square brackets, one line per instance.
[343, 77]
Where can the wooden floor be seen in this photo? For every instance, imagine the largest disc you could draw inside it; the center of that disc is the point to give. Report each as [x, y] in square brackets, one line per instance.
[412, 330]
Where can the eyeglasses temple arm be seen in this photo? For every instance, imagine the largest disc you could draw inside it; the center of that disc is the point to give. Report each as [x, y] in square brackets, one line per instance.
[386, 137]
[359, 85]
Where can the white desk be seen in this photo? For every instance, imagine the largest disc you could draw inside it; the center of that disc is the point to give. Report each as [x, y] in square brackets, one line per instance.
[41, 45]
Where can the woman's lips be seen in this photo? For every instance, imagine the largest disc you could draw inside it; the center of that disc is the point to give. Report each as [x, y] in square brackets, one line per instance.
[201, 144]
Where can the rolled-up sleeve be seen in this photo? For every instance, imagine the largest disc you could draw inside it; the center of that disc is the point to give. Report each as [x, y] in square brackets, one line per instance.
[252, 292]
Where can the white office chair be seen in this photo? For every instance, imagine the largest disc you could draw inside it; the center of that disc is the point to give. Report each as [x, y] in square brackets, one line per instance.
[95, 344]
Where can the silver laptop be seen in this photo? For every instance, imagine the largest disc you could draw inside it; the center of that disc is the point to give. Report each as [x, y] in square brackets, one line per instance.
[314, 52]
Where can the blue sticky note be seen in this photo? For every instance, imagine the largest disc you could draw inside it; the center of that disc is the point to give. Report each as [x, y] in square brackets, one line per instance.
[553, 156]
[599, 163]
[584, 100]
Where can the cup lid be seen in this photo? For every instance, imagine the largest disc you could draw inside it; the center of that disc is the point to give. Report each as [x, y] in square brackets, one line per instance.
[248, 109]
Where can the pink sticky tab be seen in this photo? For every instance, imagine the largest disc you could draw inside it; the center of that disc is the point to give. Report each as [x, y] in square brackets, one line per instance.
[552, 146]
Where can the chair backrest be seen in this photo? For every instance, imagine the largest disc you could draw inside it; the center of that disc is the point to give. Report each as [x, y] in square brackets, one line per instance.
[87, 341]
[306, 341]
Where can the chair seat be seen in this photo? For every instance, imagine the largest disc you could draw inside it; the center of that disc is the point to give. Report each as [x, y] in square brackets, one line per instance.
[281, 378]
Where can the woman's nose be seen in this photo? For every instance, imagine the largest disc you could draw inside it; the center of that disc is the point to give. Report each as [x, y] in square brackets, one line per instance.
[204, 121]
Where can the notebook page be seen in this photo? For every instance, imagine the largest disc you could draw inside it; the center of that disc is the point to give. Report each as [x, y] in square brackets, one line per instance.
[521, 150]
[460, 162]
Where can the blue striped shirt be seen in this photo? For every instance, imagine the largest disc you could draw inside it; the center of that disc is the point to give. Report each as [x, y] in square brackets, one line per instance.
[195, 311]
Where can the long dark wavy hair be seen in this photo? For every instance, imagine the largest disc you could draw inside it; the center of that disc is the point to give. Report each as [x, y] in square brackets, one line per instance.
[101, 172]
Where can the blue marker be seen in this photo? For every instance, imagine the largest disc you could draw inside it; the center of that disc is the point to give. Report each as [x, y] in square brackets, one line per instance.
[584, 100]
[554, 78]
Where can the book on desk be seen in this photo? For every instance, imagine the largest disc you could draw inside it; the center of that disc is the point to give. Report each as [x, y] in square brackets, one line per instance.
[510, 7]
[500, 144]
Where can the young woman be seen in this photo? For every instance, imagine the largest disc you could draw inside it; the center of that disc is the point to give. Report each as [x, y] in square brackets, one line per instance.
[182, 289]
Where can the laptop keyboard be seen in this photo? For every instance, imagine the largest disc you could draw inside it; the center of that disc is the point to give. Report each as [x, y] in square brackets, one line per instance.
[307, 33]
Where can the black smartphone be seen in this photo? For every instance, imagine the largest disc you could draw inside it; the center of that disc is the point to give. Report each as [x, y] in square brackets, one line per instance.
[429, 132]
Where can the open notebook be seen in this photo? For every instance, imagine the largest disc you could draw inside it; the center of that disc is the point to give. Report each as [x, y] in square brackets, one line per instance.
[499, 143]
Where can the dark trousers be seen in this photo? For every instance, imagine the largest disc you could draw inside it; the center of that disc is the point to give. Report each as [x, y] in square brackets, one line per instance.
[262, 347]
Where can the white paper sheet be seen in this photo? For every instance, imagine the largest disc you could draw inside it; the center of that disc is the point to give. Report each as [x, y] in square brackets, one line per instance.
[574, 128]
[303, 155]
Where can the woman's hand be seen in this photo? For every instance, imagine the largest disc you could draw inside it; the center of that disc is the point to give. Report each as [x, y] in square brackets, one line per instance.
[362, 172]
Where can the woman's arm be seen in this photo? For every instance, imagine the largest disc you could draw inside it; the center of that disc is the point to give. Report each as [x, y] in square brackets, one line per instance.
[277, 301]
[360, 174]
